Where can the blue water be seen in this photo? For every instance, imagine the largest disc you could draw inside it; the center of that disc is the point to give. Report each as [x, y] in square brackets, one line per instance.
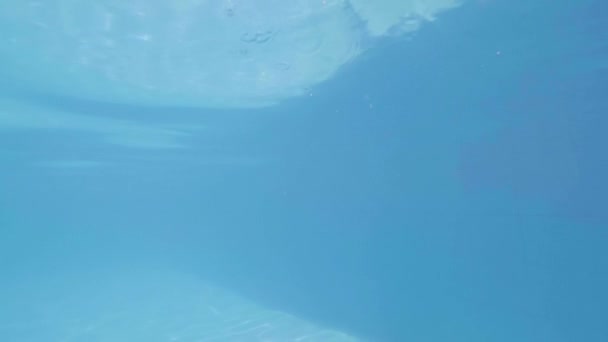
[447, 187]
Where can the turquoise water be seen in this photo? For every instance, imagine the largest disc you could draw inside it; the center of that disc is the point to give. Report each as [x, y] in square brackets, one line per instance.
[446, 185]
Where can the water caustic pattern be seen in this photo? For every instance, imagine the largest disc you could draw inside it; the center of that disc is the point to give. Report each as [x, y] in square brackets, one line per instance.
[144, 307]
[223, 53]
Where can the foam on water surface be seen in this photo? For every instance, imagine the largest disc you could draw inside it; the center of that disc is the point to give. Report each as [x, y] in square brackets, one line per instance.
[221, 53]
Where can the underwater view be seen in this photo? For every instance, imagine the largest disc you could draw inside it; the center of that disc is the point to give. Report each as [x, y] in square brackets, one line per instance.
[303, 171]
